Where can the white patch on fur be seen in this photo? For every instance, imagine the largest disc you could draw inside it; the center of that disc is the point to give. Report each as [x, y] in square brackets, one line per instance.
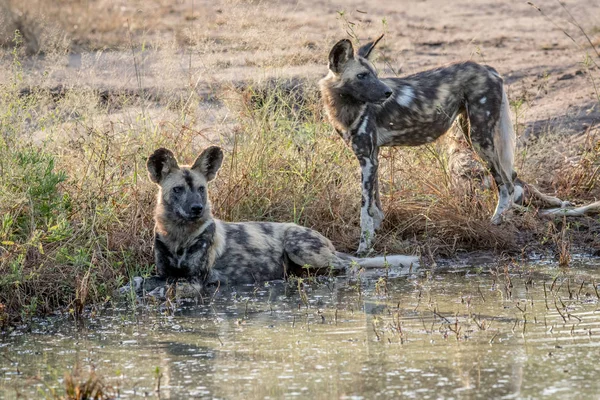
[483, 100]
[182, 212]
[218, 246]
[363, 127]
[181, 258]
[377, 216]
[487, 113]
[406, 96]
[429, 139]
[443, 91]
[137, 282]
[504, 203]
[518, 193]
[505, 139]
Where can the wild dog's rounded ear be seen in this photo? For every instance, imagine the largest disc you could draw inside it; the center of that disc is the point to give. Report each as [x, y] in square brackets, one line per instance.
[365, 51]
[209, 162]
[339, 55]
[160, 164]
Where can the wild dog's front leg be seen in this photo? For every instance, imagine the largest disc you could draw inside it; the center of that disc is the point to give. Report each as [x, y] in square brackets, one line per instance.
[364, 144]
[370, 215]
[377, 208]
[165, 261]
[143, 286]
[191, 262]
[197, 258]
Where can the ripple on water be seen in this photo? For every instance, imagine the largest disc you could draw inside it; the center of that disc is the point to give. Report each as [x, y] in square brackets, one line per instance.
[460, 334]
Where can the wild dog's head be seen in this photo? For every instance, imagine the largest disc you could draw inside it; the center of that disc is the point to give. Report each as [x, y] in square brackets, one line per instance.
[183, 196]
[351, 74]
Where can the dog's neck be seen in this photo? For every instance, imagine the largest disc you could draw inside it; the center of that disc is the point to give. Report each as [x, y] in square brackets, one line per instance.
[176, 233]
[343, 110]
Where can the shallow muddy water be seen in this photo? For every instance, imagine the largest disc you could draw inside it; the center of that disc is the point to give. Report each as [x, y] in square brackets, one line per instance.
[468, 333]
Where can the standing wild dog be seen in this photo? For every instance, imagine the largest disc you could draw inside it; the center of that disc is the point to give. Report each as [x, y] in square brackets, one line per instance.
[369, 112]
[189, 243]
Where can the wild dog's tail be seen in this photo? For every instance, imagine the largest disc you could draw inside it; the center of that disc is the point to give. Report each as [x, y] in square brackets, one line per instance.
[505, 140]
[395, 261]
[593, 208]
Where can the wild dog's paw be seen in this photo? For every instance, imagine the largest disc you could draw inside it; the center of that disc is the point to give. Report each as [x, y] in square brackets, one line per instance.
[159, 293]
[135, 285]
[518, 195]
[505, 215]
[141, 286]
[501, 214]
[189, 289]
[497, 219]
[364, 248]
[520, 209]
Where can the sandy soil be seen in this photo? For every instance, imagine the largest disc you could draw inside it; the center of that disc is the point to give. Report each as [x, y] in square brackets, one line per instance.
[202, 44]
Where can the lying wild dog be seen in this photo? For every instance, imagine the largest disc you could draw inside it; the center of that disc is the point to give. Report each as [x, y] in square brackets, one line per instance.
[369, 113]
[189, 243]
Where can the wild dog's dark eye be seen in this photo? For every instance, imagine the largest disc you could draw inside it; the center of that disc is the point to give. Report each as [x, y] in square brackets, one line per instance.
[178, 189]
[362, 75]
[201, 189]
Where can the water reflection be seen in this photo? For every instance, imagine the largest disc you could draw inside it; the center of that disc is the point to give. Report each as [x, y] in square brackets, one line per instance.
[465, 334]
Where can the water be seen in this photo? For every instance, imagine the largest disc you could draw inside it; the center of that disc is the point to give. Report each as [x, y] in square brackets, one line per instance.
[469, 333]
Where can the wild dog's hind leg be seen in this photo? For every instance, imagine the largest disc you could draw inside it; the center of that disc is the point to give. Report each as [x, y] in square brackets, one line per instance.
[486, 149]
[306, 247]
[467, 174]
[493, 137]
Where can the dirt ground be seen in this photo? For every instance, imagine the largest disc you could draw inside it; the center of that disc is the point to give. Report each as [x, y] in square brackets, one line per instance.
[202, 44]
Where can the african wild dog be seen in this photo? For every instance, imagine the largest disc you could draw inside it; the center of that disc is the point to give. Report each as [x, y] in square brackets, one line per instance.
[369, 112]
[189, 243]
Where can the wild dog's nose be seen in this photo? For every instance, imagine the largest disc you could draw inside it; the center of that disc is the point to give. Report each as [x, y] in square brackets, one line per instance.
[388, 93]
[197, 209]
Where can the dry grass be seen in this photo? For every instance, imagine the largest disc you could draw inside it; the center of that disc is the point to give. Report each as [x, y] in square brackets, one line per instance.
[81, 386]
[75, 204]
[91, 388]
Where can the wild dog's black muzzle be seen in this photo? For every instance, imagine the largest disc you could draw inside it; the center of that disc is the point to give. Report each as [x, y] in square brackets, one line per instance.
[196, 210]
[384, 92]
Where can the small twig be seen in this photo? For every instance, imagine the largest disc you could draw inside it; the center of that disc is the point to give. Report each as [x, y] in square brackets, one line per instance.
[494, 337]
[546, 296]
[376, 334]
[441, 317]
[561, 314]
[480, 293]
